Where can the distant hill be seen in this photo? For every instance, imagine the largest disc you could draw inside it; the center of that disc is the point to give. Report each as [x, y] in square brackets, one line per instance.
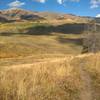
[20, 15]
[4, 18]
[65, 17]
[97, 20]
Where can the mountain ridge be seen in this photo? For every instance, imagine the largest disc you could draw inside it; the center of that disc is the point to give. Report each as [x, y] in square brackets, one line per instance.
[21, 14]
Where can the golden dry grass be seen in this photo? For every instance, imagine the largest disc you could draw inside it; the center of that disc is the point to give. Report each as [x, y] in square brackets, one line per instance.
[45, 67]
[56, 78]
[25, 45]
[15, 43]
[48, 80]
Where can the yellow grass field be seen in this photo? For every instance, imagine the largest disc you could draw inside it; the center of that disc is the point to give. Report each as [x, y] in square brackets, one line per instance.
[39, 61]
[64, 77]
[40, 40]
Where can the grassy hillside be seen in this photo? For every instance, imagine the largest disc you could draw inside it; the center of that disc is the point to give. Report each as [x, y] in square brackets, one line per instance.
[30, 38]
[43, 61]
[65, 77]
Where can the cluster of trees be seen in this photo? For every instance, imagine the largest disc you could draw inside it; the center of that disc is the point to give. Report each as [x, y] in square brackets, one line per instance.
[91, 41]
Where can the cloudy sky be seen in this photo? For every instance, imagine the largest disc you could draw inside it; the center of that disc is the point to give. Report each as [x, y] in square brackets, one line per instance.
[78, 7]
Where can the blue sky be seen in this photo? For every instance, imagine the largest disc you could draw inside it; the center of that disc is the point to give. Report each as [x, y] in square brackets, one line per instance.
[77, 7]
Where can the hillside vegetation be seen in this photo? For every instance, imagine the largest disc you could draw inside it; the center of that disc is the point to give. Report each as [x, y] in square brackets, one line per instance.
[29, 38]
[65, 77]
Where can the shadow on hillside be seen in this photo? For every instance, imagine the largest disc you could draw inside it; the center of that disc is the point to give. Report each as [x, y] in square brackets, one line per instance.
[65, 29]
[39, 30]
[6, 34]
[49, 29]
[77, 41]
[70, 28]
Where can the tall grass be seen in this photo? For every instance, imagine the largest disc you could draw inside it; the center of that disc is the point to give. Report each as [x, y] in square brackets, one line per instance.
[56, 80]
[51, 79]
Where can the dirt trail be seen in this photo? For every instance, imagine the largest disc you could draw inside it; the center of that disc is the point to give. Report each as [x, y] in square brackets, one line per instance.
[87, 91]
[34, 63]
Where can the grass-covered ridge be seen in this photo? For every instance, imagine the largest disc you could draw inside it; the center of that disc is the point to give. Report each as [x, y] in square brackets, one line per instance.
[43, 61]
[29, 38]
[20, 27]
[15, 46]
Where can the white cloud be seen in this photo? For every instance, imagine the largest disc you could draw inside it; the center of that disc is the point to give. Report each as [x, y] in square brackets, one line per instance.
[95, 3]
[98, 15]
[41, 1]
[63, 1]
[16, 4]
[60, 1]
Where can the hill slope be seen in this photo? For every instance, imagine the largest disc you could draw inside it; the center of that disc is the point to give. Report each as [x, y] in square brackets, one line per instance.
[31, 38]
[4, 18]
[20, 15]
[64, 77]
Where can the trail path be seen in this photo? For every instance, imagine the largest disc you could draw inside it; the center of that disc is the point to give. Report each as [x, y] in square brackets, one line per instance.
[87, 91]
[35, 63]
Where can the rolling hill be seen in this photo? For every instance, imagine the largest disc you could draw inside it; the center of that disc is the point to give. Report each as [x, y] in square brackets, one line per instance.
[4, 18]
[20, 15]
[33, 33]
